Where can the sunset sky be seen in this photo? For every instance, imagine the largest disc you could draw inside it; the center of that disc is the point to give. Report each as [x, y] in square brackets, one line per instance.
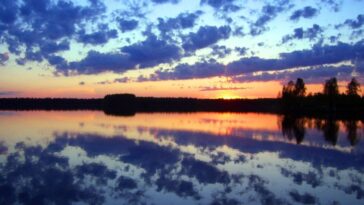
[177, 48]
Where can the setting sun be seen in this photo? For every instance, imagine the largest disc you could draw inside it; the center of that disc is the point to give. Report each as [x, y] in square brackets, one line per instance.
[228, 96]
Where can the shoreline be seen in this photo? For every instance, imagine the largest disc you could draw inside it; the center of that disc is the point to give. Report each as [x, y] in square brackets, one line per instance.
[129, 104]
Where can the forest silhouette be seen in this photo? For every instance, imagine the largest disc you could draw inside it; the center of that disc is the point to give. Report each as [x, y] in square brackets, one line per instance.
[330, 102]
[293, 100]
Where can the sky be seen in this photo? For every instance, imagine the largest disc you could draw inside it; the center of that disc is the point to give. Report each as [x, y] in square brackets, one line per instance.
[177, 48]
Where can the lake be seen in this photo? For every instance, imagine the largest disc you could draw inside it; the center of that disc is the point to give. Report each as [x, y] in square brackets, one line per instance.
[87, 157]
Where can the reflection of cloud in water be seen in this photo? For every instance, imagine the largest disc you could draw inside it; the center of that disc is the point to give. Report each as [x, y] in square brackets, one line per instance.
[169, 169]
[164, 166]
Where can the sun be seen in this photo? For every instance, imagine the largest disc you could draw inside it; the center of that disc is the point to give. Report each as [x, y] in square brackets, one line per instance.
[228, 96]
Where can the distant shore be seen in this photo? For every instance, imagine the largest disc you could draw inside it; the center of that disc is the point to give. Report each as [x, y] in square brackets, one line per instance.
[124, 103]
[129, 104]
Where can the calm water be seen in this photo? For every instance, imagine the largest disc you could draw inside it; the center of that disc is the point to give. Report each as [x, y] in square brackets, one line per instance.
[201, 158]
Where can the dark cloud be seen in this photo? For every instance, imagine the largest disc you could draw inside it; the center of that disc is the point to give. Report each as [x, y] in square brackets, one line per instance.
[99, 37]
[166, 1]
[355, 23]
[128, 25]
[303, 198]
[223, 5]
[125, 183]
[334, 39]
[121, 80]
[39, 28]
[148, 53]
[152, 52]
[95, 62]
[335, 5]
[241, 50]
[49, 47]
[311, 75]
[182, 21]
[311, 33]
[4, 57]
[57, 61]
[186, 71]
[96, 170]
[357, 34]
[318, 55]
[8, 12]
[268, 13]
[204, 37]
[307, 12]
[220, 51]
[116, 80]
[214, 88]
[8, 93]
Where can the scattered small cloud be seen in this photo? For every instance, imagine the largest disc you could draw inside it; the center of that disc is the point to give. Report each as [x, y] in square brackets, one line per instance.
[9, 93]
[4, 57]
[214, 88]
[306, 12]
[312, 33]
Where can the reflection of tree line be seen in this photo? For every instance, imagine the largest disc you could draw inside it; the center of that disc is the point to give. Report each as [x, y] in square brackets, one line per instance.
[294, 127]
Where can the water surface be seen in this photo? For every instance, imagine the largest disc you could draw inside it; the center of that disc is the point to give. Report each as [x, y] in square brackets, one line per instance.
[199, 158]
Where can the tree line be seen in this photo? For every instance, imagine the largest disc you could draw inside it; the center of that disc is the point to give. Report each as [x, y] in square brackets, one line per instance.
[330, 88]
[294, 98]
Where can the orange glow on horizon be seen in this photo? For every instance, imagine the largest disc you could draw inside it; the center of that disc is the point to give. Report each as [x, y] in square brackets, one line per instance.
[70, 88]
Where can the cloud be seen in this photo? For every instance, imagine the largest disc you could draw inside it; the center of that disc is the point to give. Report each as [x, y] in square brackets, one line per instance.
[116, 80]
[355, 23]
[43, 30]
[220, 51]
[268, 13]
[121, 80]
[311, 33]
[148, 53]
[8, 12]
[187, 71]
[38, 28]
[49, 47]
[166, 1]
[4, 57]
[95, 62]
[310, 75]
[9, 93]
[222, 5]
[99, 37]
[318, 55]
[128, 25]
[214, 88]
[241, 50]
[303, 198]
[335, 5]
[152, 52]
[204, 37]
[182, 21]
[306, 12]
